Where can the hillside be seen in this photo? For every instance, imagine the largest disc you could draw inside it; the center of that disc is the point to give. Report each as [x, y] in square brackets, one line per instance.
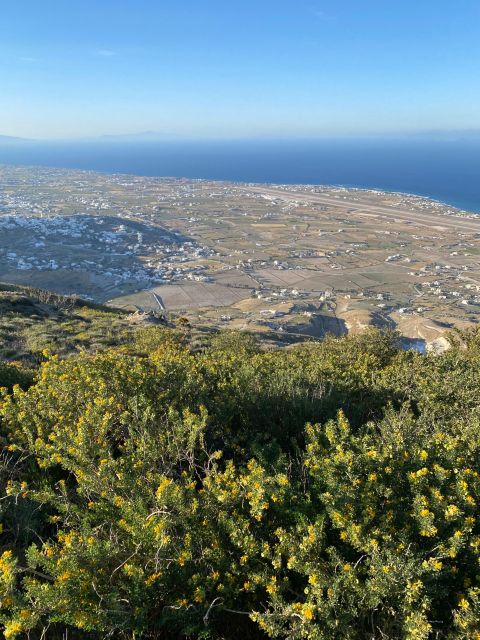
[154, 489]
[35, 320]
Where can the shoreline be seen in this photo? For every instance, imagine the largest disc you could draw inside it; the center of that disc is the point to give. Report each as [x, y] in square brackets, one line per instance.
[464, 213]
[456, 211]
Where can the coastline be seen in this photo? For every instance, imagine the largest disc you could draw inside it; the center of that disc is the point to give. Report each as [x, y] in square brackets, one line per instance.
[447, 208]
[444, 171]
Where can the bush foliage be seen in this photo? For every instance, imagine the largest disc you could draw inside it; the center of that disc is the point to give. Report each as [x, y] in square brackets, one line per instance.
[328, 491]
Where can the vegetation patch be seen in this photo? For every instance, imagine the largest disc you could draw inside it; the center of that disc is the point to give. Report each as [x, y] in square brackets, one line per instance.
[325, 491]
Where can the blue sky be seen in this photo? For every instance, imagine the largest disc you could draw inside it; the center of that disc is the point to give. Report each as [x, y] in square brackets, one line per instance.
[246, 68]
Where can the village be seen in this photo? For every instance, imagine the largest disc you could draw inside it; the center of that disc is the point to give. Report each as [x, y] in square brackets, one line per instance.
[105, 250]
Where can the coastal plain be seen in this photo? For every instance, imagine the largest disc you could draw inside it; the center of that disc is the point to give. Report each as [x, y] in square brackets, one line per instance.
[286, 261]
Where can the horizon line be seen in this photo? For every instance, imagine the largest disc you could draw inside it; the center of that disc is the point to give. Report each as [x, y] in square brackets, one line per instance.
[171, 137]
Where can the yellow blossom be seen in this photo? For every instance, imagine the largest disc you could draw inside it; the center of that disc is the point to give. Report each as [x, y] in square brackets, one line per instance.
[64, 577]
[451, 511]
[12, 629]
[307, 612]
[272, 586]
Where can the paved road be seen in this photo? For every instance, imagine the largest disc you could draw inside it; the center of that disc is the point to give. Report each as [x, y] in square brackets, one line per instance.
[424, 219]
[159, 301]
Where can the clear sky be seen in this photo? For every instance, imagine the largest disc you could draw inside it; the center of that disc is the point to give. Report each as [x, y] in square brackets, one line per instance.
[230, 68]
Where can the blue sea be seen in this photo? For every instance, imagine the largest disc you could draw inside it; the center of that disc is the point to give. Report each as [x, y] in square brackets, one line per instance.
[444, 168]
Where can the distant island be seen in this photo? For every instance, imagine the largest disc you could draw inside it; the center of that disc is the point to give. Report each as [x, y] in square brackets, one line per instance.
[13, 139]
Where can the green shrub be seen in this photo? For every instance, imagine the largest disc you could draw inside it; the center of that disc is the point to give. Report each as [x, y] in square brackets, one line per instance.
[12, 374]
[328, 491]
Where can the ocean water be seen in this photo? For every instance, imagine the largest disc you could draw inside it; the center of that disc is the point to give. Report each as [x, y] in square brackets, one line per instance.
[446, 169]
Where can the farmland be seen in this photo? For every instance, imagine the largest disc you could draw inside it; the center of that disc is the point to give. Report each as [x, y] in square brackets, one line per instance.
[287, 260]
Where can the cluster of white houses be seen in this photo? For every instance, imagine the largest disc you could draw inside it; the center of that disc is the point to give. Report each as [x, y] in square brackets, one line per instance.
[120, 252]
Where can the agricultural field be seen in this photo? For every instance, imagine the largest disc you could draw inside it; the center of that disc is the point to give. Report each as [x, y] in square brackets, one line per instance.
[288, 260]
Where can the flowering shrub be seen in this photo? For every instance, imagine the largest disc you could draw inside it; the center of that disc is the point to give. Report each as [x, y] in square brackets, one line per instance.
[325, 492]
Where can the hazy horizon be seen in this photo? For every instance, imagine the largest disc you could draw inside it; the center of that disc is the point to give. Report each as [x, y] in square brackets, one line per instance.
[213, 70]
[172, 137]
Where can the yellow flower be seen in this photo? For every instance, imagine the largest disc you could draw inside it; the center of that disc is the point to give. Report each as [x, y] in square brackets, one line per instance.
[414, 587]
[64, 577]
[151, 579]
[166, 482]
[451, 511]
[307, 612]
[272, 586]
[199, 596]
[12, 629]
